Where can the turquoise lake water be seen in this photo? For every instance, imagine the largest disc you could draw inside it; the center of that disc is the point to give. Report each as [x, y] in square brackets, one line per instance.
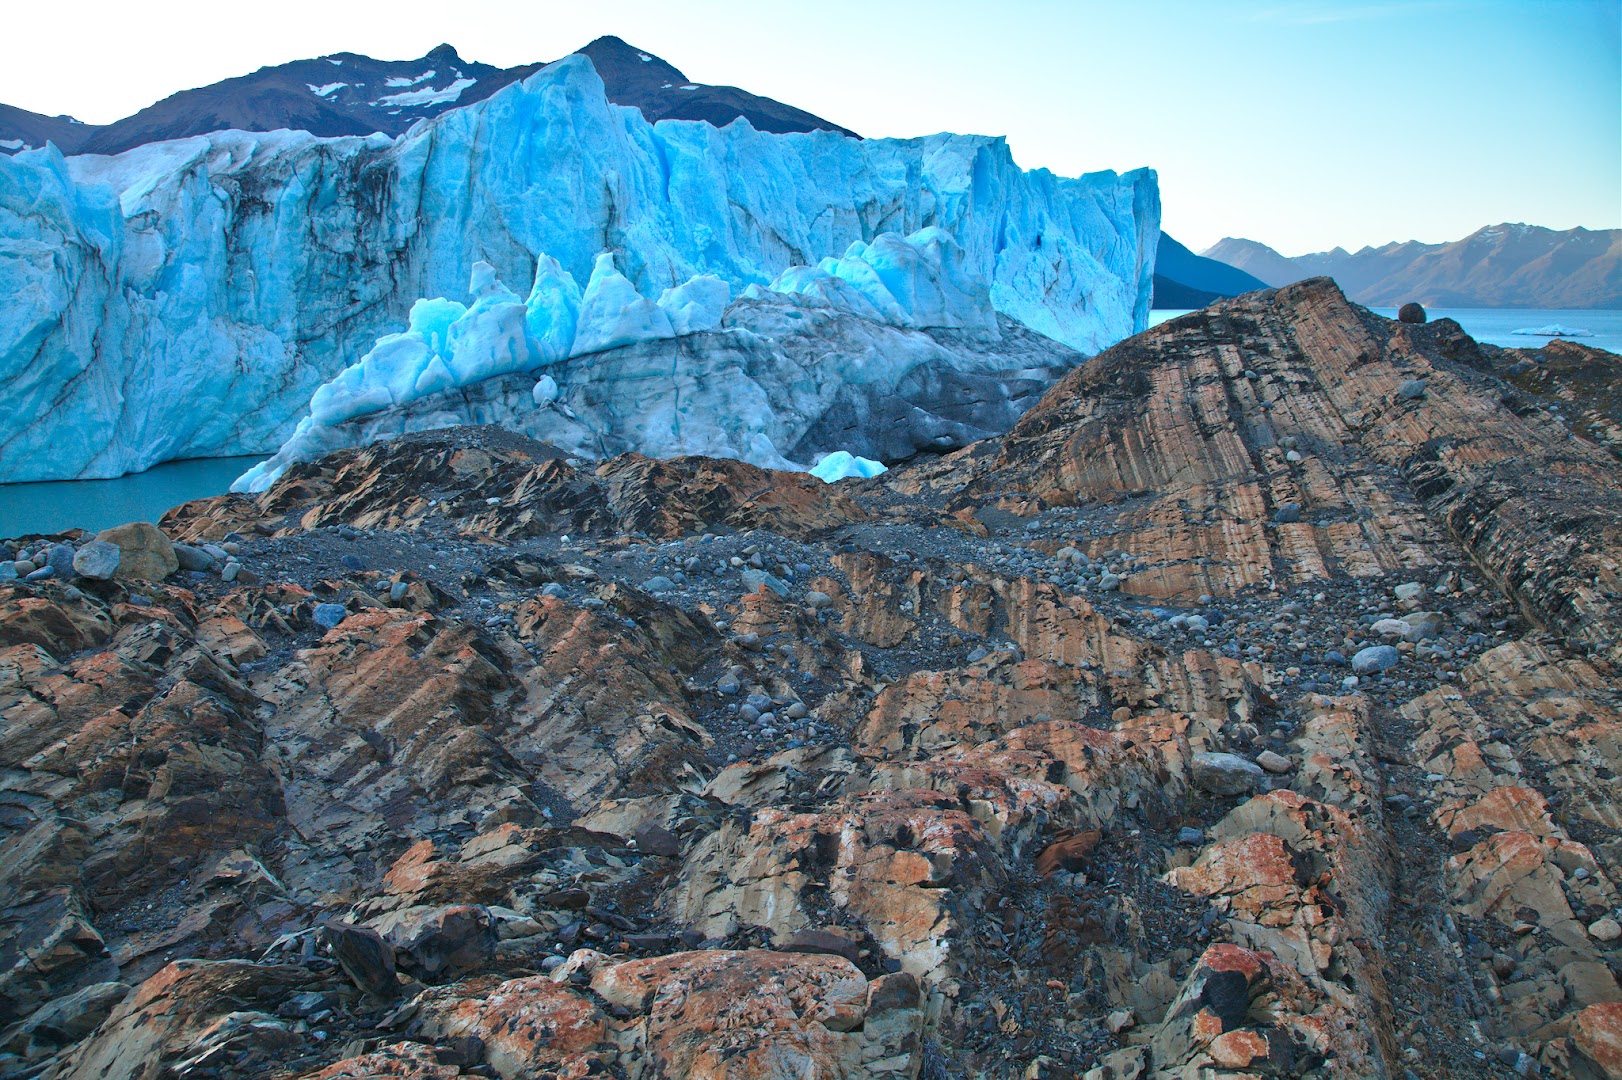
[55, 506]
[1497, 326]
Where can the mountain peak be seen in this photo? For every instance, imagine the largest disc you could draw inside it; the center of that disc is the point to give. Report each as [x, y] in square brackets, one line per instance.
[615, 55]
[358, 95]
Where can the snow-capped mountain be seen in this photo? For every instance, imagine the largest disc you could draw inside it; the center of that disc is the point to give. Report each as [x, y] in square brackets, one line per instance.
[187, 298]
[350, 94]
[1508, 265]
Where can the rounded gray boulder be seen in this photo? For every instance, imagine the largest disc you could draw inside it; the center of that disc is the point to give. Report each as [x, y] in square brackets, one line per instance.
[329, 615]
[97, 560]
[1224, 774]
[1374, 659]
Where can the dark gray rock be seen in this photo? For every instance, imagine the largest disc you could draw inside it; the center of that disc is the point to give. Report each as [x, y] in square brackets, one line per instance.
[366, 958]
[194, 558]
[1224, 774]
[654, 839]
[329, 615]
[60, 559]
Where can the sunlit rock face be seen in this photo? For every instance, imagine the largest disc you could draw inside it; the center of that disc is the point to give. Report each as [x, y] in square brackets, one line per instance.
[186, 299]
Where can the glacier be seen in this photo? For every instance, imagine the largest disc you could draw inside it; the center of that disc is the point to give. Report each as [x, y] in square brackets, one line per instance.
[891, 349]
[187, 299]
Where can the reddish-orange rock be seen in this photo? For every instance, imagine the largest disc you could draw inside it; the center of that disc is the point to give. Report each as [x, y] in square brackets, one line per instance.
[526, 1026]
[1069, 853]
[1596, 1032]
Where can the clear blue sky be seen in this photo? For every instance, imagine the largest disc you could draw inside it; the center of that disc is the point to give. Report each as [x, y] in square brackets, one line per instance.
[1302, 124]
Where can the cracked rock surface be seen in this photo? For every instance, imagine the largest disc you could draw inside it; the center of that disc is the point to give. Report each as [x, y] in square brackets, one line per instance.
[1045, 758]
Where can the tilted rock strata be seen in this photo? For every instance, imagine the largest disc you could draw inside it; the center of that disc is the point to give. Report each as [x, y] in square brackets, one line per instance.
[952, 769]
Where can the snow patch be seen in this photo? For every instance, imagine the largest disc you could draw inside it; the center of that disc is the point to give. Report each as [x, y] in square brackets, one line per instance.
[324, 91]
[644, 57]
[428, 95]
[14, 144]
[397, 81]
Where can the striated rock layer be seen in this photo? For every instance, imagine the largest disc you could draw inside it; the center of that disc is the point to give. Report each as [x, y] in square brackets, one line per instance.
[1047, 758]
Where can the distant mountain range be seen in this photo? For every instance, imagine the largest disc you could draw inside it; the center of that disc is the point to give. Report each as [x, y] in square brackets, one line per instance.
[350, 94]
[1501, 266]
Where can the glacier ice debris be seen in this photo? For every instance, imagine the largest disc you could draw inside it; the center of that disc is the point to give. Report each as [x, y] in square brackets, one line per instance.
[842, 463]
[1552, 330]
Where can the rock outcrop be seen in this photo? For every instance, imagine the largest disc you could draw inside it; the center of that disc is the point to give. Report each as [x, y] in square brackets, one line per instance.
[1043, 758]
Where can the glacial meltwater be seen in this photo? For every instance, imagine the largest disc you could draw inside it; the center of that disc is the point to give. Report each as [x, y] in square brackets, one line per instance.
[57, 505]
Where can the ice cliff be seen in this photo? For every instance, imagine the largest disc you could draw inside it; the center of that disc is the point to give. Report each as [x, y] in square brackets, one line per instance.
[890, 349]
[187, 298]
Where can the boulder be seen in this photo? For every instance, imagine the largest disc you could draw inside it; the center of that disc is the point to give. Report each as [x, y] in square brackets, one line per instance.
[1411, 313]
[325, 615]
[1224, 774]
[145, 554]
[59, 557]
[1273, 762]
[1374, 659]
[97, 560]
[194, 558]
[1068, 853]
[366, 958]
[440, 941]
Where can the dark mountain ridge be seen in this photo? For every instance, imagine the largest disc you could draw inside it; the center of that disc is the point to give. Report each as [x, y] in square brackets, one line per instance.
[351, 94]
[1186, 280]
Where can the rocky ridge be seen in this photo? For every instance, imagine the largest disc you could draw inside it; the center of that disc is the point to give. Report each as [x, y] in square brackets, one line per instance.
[1250, 709]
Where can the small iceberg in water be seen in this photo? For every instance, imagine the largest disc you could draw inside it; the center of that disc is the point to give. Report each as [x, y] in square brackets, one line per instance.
[842, 463]
[1553, 330]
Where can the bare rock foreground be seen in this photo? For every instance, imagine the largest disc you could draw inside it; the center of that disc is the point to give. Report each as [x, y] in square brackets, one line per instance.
[1253, 708]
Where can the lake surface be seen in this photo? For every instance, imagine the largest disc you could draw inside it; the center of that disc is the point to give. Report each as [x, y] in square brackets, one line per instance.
[1497, 326]
[57, 505]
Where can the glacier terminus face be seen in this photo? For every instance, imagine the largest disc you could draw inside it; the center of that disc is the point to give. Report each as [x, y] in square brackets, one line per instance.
[189, 299]
[893, 348]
